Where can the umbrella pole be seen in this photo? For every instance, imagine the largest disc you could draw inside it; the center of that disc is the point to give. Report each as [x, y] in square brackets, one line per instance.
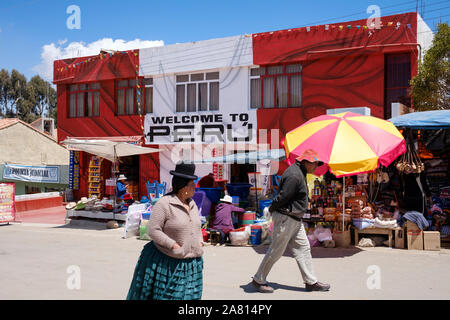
[343, 208]
[256, 193]
[115, 176]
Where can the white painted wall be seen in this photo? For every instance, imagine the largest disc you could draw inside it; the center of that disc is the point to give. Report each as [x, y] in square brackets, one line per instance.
[193, 56]
[425, 35]
[233, 99]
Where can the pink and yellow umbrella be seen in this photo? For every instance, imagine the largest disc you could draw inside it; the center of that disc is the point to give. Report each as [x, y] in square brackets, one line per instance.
[347, 143]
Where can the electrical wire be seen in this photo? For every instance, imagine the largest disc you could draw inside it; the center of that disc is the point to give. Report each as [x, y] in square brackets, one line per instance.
[224, 49]
[329, 20]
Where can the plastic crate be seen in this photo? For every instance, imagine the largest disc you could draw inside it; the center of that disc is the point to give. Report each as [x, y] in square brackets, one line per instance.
[213, 194]
[240, 190]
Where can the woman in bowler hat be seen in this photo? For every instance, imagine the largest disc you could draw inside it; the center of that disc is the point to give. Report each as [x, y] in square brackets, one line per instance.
[170, 267]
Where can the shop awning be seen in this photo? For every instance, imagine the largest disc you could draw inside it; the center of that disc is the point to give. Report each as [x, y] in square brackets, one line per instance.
[247, 157]
[107, 149]
[437, 119]
[129, 139]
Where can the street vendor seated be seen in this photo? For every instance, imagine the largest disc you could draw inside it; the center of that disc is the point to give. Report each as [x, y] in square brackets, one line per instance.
[223, 221]
[121, 187]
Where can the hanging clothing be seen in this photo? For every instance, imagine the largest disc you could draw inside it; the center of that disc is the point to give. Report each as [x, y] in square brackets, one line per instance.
[414, 197]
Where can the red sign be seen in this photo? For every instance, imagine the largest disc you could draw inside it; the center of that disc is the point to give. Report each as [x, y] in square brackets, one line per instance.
[7, 209]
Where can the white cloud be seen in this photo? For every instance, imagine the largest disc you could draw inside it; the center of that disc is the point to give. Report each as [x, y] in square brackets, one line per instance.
[52, 51]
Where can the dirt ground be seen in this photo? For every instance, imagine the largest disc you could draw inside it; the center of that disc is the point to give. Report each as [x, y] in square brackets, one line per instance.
[40, 261]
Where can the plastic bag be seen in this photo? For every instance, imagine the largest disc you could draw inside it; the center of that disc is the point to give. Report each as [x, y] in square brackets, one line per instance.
[143, 230]
[239, 238]
[323, 234]
[313, 242]
[266, 213]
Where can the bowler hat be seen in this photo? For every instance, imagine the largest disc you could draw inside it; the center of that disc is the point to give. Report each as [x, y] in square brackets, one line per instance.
[184, 170]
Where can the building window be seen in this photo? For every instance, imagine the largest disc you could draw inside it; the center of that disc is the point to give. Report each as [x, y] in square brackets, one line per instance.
[276, 86]
[197, 92]
[134, 96]
[84, 100]
[397, 77]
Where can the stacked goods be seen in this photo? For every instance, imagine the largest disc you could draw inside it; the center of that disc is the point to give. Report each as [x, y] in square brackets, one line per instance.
[246, 219]
[95, 178]
[357, 207]
[367, 213]
[329, 214]
[347, 216]
[133, 190]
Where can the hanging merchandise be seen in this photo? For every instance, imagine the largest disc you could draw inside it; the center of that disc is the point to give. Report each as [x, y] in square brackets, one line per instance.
[95, 177]
[410, 162]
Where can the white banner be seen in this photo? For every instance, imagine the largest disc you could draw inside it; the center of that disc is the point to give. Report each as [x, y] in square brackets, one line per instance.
[203, 128]
[48, 174]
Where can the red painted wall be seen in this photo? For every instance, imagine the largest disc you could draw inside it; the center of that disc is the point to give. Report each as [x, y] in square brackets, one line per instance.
[332, 77]
[107, 124]
[36, 204]
[104, 69]
[342, 67]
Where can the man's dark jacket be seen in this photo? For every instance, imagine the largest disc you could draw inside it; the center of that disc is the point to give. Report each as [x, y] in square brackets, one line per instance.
[292, 197]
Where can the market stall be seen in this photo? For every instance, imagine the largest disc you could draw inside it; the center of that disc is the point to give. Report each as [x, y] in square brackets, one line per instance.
[100, 202]
[349, 144]
[246, 195]
[428, 162]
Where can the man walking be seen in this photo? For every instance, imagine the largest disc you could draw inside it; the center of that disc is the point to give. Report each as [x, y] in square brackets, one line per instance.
[287, 210]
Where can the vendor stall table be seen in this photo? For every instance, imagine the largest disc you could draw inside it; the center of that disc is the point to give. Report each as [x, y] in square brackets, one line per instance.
[96, 215]
[377, 231]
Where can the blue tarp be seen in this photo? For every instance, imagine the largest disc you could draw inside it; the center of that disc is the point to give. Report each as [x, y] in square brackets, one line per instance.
[438, 119]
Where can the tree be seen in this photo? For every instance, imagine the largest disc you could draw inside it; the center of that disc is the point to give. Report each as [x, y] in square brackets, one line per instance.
[18, 93]
[42, 97]
[26, 100]
[5, 88]
[430, 88]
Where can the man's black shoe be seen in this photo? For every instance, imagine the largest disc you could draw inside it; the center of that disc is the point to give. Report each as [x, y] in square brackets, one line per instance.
[317, 287]
[263, 288]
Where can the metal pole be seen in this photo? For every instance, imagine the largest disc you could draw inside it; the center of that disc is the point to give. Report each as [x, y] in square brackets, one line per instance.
[114, 175]
[343, 208]
[256, 187]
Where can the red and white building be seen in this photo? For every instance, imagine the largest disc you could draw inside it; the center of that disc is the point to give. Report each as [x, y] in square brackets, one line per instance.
[243, 91]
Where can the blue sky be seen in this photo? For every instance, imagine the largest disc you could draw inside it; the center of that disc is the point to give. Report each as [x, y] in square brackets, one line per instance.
[27, 26]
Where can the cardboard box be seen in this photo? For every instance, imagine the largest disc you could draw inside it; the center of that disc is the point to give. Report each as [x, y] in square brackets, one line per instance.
[415, 239]
[432, 240]
[411, 226]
